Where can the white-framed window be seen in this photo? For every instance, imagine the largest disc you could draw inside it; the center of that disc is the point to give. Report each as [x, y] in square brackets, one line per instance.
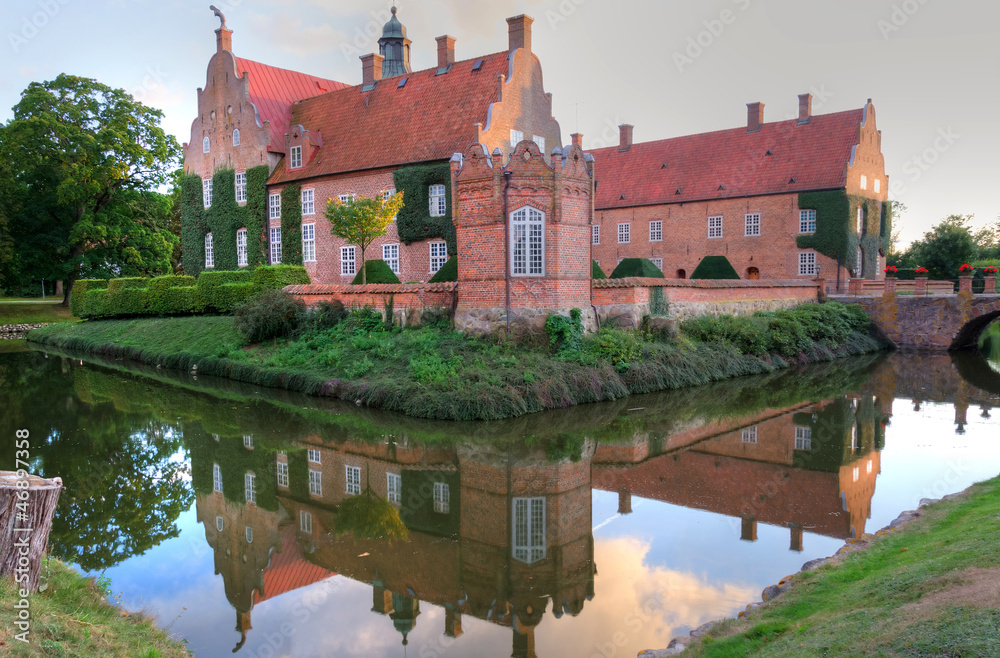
[390, 254]
[274, 206]
[595, 234]
[275, 245]
[538, 139]
[658, 262]
[807, 221]
[305, 521]
[442, 498]
[749, 434]
[624, 233]
[206, 192]
[807, 263]
[216, 478]
[309, 243]
[206, 145]
[715, 226]
[282, 474]
[656, 231]
[438, 204]
[869, 467]
[250, 487]
[248, 441]
[861, 220]
[241, 187]
[394, 488]
[516, 137]
[295, 157]
[529, 530]
[209, 252]
[314, 456]
[346, 198]
[309, 202]
[248, 533]
[219, 523]
[803, 438]
[236, 137]
[387, 194]
[241, 247]
[864, 182]
[878, 185]
[752, 224]
[857, 473]
[352, 475]
[527, 245]
[315, 483]
[348, 263]
[439, 255]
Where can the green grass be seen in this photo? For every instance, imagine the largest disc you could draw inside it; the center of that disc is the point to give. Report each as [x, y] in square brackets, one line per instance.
[919, 591]
[432, 372]
[34, 313]
[72, 617]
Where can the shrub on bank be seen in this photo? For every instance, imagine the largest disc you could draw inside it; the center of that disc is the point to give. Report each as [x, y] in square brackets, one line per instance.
[271, 314]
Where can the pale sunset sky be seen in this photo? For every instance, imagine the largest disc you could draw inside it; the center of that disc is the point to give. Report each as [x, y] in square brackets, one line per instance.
[671, 68]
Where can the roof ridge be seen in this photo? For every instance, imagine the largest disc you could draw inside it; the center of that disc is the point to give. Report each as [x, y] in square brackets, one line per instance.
[281, 68]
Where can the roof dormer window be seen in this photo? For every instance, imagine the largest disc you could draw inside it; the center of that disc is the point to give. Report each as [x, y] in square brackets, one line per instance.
[295, 157]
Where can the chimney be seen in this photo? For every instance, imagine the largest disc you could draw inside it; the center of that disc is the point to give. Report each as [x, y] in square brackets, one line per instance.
[625, 137]
[224, 39]
[748, 529]
[577, 139]
[796, 538]
[624, 502]
[446, 51]
[805, 107]
[371, 69]
[755, 116]
[519, 29]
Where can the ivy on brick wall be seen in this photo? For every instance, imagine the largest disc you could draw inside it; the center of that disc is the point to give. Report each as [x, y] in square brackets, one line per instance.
[835, 235]
[291, 225]
[223, 219]
[414, 221]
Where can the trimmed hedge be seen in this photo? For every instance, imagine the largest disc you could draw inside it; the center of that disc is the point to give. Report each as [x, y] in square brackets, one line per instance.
[714, 267]
[212, 291]
[376, 271]
[636, 267]
[448, 272]
[596, 272]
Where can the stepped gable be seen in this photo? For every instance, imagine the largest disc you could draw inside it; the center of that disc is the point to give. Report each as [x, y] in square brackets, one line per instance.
[730, 163]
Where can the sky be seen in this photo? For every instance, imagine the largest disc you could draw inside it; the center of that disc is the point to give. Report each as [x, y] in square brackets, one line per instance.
[671, 68]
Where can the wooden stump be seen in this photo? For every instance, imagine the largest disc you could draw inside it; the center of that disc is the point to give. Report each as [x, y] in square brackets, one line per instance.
[27, 505]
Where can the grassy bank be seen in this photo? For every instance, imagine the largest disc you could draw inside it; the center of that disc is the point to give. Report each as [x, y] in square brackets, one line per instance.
[433, 372]
[929, 589]
[29, 313]
[72, 617]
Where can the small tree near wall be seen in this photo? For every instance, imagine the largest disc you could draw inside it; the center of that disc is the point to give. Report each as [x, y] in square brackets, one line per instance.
[360, 221]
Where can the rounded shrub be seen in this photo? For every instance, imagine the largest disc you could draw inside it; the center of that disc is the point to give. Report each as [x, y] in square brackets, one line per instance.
[448, 272]
[641, 267]
[272, 314]
[377, 271]
[596, 272]
[714, 267]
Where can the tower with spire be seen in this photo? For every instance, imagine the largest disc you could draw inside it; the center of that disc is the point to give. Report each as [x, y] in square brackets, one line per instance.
[395, 48]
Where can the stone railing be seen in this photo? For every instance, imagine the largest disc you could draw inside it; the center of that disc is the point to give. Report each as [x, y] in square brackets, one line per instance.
[919, 286]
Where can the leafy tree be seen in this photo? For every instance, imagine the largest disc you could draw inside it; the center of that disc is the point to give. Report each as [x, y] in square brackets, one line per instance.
[77, 149]
[360, 221]
[987, 239]
[945, 247]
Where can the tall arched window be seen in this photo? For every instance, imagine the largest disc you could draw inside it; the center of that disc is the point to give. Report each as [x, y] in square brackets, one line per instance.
[236, 137]
[527, 242]
[206, 145]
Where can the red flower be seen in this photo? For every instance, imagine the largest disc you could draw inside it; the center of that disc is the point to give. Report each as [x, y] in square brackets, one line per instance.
[965, 268]
[891, 269]
[990, 270]
[922, 270]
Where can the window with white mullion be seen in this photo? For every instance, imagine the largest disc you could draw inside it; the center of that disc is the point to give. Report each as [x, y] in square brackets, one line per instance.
[394, 488]
[715, 227]
[439, 255]
[282, 474]
[241, 247]
[807, 263]
[752, 224]
[807, 221]
[528, 543]
[305, 521]
[315, 483]
[624, 233]
[250, 487]
[209, 251]
[656, 231]
[216, 478]
[803, 438]
[206, 192]
[295, 157]
[390, 254]
[437, 201]
[442, 498]
[309, 243]
[595, 234]
[309, 202]
[749, 434]
[241, 187]
[274, 206]
[527, 242]
[348, 261]
[275, 245]
[353, 480]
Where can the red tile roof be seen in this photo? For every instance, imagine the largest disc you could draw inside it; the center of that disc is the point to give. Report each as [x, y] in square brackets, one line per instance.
[273, 91]
[289, 569]
[429, 118]
[729, 163]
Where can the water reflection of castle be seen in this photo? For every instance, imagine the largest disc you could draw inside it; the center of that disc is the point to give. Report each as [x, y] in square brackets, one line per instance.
[500, 532]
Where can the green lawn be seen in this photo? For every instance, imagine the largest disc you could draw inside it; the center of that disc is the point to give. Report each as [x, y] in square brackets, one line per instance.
[930, 589]
[34, 313]
[72, 617]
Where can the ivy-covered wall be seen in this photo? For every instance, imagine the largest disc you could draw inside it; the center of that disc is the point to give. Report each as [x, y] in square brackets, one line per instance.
[414, 221]
[291, 225]
[223, 219]
[836, 234]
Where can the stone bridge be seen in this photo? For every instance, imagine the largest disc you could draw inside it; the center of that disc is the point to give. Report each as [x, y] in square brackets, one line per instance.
[935, 322]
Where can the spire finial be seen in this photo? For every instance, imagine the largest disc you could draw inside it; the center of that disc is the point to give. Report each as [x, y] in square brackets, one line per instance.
[222, 17]
[393, 10]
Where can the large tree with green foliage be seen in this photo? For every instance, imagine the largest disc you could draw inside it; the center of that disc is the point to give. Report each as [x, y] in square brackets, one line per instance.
[361, 220]
[84, 160]
[944, 248]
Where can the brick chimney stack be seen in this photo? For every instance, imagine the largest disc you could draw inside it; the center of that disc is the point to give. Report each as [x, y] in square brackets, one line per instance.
[224, 39]
[755, 116]
[577, 139]
[446, 51]
[625, 137]
[371, 68]
[805, 107]
[519, 30]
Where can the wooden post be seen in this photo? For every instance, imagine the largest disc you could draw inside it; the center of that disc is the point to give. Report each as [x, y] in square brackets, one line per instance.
[26, 512]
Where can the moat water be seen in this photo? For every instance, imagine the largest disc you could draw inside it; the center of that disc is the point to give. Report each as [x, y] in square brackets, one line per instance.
[282, 525]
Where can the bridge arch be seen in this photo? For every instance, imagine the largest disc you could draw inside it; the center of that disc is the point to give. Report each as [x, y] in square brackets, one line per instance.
[969, 334]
